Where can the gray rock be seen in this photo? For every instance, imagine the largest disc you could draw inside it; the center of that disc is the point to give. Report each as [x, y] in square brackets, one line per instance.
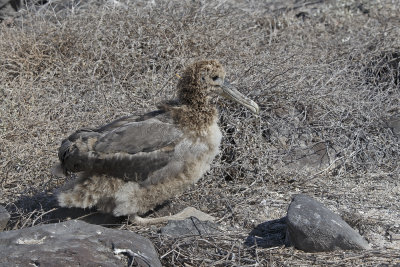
[190, 226]
[8, 8]
[394, 123]
[4, 218]
[312, 156]
[75, 243]
[311, 227]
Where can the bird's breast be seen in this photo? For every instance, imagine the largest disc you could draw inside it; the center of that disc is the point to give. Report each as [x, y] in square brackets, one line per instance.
[200, 145]
[191, 158]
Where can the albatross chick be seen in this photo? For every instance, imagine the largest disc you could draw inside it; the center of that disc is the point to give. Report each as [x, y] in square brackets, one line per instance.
[131, 165]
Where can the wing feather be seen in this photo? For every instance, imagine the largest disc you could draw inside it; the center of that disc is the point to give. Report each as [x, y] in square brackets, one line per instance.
[131, 147]
[134, 137]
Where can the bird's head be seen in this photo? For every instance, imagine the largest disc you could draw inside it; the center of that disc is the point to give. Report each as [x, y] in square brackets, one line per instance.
[204, 79]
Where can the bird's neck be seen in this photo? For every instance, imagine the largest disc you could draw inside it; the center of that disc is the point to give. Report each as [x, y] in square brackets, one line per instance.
[195, 112]
[195, 117]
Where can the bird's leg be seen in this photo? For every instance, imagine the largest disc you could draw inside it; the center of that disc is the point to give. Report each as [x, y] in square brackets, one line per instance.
[184, 214]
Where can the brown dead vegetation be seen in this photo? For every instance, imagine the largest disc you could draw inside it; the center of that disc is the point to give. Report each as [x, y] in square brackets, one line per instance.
[325, 73]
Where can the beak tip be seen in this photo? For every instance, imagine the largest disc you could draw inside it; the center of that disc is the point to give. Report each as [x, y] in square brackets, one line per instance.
[255, 108]
[231, 93]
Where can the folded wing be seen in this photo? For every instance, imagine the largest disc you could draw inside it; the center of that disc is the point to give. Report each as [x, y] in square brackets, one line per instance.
[131, 148]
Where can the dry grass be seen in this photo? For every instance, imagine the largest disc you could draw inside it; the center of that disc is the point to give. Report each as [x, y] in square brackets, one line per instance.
[326, 75]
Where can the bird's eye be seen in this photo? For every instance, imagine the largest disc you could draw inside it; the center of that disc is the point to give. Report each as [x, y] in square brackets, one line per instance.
[215, 78]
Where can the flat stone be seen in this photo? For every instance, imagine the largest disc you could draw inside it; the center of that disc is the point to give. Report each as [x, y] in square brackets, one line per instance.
[75, 243]
[190, 226]
[314, 156]
[394, 124]
[4, 218]
[312, 227]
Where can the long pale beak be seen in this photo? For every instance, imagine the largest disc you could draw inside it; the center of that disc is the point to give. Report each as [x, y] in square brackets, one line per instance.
[228, 91]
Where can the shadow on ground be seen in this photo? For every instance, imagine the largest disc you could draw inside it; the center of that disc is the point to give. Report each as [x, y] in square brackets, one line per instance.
[42, 208]
[268, 234]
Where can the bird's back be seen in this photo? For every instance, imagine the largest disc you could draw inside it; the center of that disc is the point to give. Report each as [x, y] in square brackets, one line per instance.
[131, 147]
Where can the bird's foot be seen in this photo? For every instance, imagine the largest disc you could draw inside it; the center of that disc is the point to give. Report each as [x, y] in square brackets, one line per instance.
[184, 214]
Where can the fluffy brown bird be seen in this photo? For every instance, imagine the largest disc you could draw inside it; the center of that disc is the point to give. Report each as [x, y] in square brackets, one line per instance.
[131, 165]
